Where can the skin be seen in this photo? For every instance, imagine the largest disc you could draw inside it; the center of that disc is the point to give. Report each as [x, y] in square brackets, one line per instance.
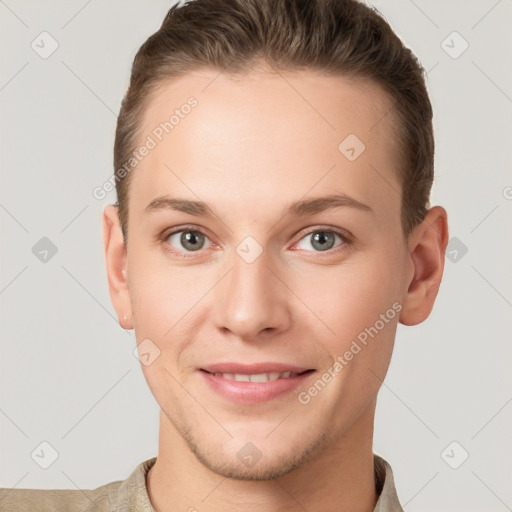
[252, 146]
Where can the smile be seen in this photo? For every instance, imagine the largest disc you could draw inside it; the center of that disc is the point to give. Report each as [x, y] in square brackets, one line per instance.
[257, 377]
[254, 385]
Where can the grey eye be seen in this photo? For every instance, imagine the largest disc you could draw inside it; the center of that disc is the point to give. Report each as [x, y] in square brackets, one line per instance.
[190, 240]
[320, 240]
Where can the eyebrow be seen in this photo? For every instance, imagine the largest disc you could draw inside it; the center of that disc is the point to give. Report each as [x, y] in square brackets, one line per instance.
[299, 208]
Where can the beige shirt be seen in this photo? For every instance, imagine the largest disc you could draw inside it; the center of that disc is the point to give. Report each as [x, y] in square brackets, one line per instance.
[131, 495]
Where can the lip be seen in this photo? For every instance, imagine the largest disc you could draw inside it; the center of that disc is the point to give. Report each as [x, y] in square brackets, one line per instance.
[253, 392]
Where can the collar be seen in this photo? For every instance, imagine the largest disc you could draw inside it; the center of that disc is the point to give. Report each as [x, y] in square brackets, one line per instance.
[132, 493]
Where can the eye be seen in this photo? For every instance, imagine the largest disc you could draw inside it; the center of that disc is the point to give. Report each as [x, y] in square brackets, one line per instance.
[188, 240]
[322, 240]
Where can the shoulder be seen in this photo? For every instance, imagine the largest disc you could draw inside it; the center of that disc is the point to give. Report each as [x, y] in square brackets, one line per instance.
[45, 500]
[121, 495]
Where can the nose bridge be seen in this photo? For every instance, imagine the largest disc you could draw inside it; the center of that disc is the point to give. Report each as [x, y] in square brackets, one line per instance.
[251, 298]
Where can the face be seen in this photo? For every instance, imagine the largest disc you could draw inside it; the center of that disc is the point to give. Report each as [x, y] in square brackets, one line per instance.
[269, 317]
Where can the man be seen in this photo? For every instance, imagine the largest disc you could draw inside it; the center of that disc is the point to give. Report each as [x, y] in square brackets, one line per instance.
[273, 167]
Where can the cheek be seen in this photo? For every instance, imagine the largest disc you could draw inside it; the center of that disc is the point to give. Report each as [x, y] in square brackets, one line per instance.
[347, 298]
[159, 294]
[359, 309]
[157, 309]
[165, 300]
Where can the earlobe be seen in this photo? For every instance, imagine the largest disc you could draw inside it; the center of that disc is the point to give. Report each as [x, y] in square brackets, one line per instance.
[427, 255]
[116, 266]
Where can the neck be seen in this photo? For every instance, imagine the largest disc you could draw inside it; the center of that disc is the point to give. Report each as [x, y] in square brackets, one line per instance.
[340, 478]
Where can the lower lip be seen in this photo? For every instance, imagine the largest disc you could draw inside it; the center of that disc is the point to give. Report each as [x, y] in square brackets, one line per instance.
[253, 392]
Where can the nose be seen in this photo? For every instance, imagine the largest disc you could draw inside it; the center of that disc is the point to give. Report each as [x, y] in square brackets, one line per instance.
[252, 301]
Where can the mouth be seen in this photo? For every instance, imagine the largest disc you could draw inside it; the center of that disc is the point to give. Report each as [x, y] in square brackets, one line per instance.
[257, 377]
[253, 383]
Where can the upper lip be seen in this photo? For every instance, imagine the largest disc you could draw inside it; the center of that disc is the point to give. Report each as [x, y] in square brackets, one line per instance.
[253, 368]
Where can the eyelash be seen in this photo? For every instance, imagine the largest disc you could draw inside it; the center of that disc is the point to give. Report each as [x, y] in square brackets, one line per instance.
[346, 240]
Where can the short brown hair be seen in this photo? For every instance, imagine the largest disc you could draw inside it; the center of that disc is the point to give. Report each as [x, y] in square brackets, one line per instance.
[340, 37]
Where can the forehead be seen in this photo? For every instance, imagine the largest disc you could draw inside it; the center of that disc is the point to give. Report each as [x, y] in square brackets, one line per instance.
[268, 136]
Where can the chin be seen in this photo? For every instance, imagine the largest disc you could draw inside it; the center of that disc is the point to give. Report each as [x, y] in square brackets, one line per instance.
[260, 470]
[259, 461]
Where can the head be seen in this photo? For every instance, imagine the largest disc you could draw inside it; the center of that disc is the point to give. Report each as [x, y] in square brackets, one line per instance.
[219, 248]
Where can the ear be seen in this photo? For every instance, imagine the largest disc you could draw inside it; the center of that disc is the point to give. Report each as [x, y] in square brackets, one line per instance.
[427, 247]
[116, 264]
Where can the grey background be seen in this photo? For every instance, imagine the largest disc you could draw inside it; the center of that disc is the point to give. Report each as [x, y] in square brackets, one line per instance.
[68, 374]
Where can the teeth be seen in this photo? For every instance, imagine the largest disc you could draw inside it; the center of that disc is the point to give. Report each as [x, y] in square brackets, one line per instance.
[259, 377]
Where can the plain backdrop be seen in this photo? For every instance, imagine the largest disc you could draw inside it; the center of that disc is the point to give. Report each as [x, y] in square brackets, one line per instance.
[68, 374]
